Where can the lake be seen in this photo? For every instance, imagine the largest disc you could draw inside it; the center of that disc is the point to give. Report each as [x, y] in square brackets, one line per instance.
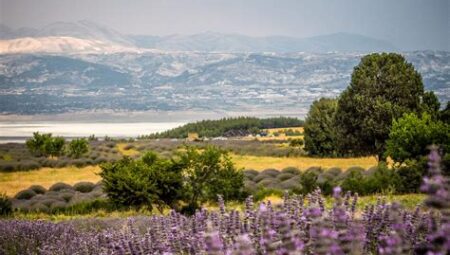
[20, 131]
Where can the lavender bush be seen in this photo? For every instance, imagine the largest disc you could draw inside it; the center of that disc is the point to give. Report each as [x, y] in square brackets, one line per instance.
[300, 225]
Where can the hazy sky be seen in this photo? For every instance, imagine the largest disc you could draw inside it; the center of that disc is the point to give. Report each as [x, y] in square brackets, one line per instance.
[408, 24]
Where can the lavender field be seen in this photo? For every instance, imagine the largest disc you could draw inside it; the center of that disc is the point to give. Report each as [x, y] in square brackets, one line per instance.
[300, 225]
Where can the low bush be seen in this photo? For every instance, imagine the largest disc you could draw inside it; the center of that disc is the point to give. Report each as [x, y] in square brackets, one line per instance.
[5, 205]
[25, 194]
[284, 176]
[291, 170]
[268, 183]
[261, 176]
[266, 192]
[84, 187]
[60, 186]
[410, 176]
[308, 181]
[290, 184]
[66, 195]
[58, 206]
[271, 172]
[38, 189]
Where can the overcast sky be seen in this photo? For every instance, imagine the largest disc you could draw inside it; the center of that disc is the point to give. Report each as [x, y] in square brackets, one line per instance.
[408, 24]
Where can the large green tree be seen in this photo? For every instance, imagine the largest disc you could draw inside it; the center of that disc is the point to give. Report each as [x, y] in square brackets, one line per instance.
[319, 130]
[411, 135]
[383, 87]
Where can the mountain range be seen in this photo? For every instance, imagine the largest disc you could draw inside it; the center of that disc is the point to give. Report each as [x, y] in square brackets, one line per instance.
[83, 66]
[89, 37]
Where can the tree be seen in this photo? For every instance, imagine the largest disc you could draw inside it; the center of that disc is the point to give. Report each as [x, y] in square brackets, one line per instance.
[148, 181]
[383, 87]
[444, 115]
[430, 104]
[209, 173]
[78, 147]
[319, 130]
[45, 144]
[411, 135]
[54, 146]
[36, 144]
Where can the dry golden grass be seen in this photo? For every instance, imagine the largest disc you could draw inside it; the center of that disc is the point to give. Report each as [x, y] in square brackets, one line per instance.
[282, 130]
[261, 163]
[129, 152]
[11, 183]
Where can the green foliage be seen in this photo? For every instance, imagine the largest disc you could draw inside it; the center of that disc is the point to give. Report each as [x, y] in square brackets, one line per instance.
[78, 147]
[25, 194]
[45, 145]
[430, 104]
[444, 115]
[208, 173]
[411, 176]
[84, 187]
[308, 182]
[354, 182]
[38, 189]
[215, 128]
[383, 87]
[60, 186]
[319, 130]
[147, 181]
[411, 135]
[298, 142]
[5, 205]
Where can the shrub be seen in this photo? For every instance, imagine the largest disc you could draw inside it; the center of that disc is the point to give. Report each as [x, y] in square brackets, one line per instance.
[261, 177]
[39, 207]
[334, 171]
[60, 186]
[38, 189]
[268, 183]
[266, 192]
[315, 169]
[291, 170]
[84, 187]
[58, 206]
[78, 147]
[308, 182]
[271, 172]
[66, 195]
[250, 186]
[284, 176]
[25, 194]
[5, 205]
[410, 176]
[250, 173]
[148, 181]
[354, 182]
[290, 184]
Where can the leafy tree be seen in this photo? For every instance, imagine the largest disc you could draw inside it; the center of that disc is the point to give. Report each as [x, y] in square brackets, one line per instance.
[319, 130]
[45, 144]
[36, 144]
[208, 173]
[411, 135]
[383, 87]
[430, 104]
[78, 147]
[54, 146]
[444, 115]
[148, 181]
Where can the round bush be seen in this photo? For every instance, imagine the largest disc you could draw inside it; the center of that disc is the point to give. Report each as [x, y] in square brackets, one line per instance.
[261, 177]
[334, 171]
[250, 173]
[39, 207]
[21, 205]
[58, 205]
[25, 194]
[84, 187]
[370, 171]
[284, 176]
[268, 183]
[290, 184]
[314, 169]
[291, 170]
[48, 201]
[271, 172]
[62, 163]
[60, 186]
[351, 171]
[38, 189]
[250, 186]
[28, 165]
[66, 195]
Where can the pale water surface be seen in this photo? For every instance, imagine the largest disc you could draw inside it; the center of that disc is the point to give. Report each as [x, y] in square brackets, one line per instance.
[18, 132]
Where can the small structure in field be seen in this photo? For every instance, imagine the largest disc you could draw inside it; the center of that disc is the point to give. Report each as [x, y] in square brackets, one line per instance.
[192, 137]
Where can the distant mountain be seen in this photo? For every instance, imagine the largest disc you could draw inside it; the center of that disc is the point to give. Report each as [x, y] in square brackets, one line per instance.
[203, 42]
[209, 41]
[185, 81]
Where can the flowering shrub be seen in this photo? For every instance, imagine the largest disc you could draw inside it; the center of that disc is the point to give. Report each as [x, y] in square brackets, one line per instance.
[300, 225]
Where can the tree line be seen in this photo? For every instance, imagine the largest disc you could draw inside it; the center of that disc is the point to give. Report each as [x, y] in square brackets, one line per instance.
[216, 128]
[385, 111]
[48, 145]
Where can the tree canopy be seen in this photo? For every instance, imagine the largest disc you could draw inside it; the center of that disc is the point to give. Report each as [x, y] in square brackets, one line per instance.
[383, 87]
